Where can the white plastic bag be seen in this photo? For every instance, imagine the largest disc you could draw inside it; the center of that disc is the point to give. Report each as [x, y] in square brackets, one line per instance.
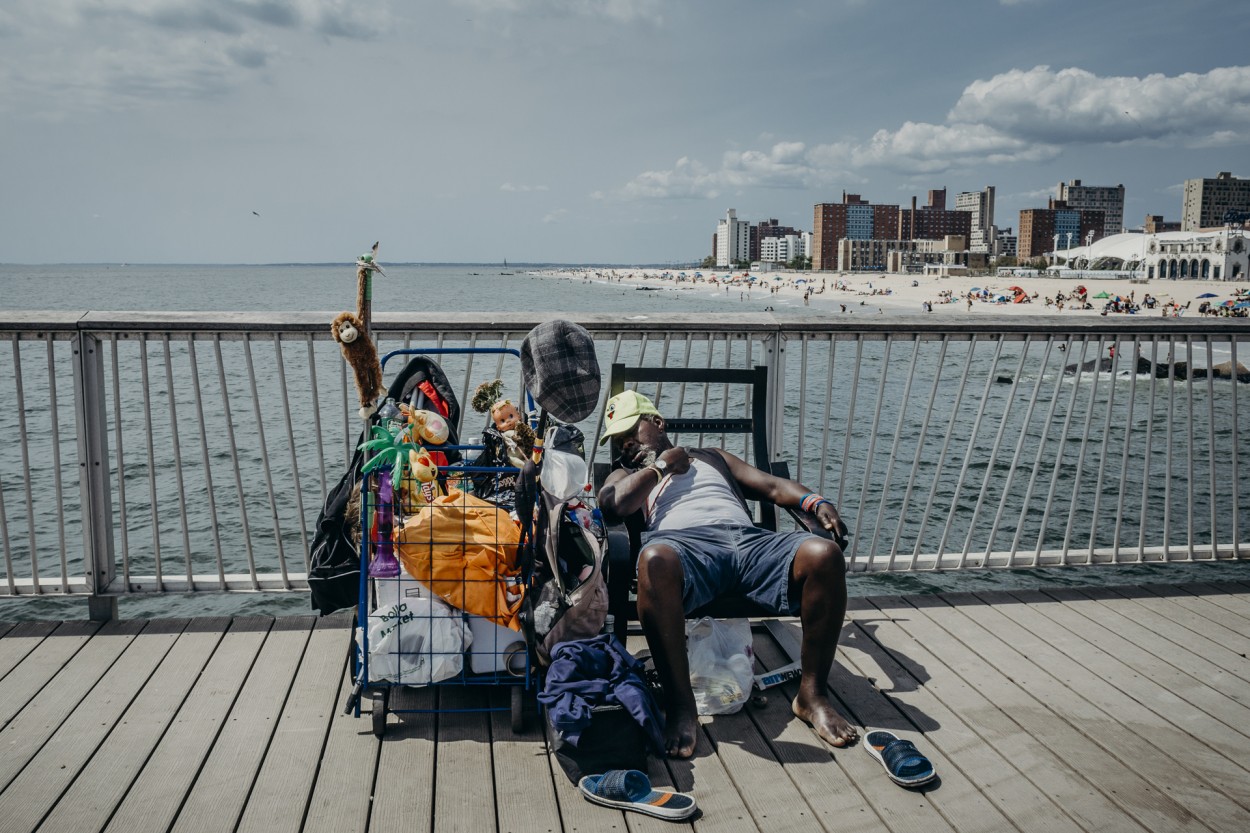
[722, 663]
[416, 641]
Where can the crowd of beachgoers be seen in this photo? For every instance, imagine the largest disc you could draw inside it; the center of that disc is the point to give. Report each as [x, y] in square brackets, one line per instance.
[880, 293]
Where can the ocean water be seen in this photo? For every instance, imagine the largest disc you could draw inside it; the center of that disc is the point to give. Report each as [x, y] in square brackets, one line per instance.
[405, 287]
[487, 288]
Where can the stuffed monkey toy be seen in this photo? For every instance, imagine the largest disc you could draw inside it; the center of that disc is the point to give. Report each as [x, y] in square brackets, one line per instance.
[352, 334]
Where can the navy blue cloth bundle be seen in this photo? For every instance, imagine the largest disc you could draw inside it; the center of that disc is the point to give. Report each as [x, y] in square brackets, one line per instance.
[590, 673]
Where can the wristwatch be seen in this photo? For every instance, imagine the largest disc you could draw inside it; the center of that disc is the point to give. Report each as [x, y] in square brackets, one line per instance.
[659, 467]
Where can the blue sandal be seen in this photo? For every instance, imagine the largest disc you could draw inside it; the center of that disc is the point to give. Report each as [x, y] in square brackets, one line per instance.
[629, 789]
[901, 759]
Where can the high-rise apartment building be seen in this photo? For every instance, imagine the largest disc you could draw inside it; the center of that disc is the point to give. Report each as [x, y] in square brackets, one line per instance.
[854, 219]
[1208, 200]
[1109, 199]
[932, 221]
[979, 204]
[1005, 243]
[763, 231]
[1074, 227]
[733, 240]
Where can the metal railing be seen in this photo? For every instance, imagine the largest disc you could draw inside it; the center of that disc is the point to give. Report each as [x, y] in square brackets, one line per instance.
[203, 445]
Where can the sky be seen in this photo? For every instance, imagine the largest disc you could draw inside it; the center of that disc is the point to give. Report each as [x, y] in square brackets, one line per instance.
[582, 131]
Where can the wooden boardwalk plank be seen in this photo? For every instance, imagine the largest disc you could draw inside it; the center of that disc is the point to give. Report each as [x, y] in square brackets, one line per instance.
[280, 796]
[704, 776]
[153, 800]
[343, 792]
[42, 662]
[957, 805]
[885, 658]
[771, 797]
[95, 794]
[464, 798]
[1100, 711]
[1209, 688]
[72, 672]
[1175, 624]
[524, 791]
[1123, 692]
[1012, 690]
[19, 640]
[815, 768]
[34, 792]
[217, 798]
[1228, 628]
[403, 794]
[959, 685]
[1231, 597]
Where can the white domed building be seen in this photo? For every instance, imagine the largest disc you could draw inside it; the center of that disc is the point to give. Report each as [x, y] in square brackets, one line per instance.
[1211, 254]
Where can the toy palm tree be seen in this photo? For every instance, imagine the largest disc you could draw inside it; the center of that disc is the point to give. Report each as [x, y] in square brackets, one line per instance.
[387, 449]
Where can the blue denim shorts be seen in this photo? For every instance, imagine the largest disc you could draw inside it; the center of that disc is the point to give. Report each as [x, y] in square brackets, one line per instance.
[722, 560]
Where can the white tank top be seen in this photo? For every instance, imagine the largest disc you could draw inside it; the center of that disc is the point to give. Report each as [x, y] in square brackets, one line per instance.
[697, 498]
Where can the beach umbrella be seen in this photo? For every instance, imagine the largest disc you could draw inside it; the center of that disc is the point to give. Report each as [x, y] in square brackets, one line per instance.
[975, 289]
[1017, 290]
[1208, 295]
[1102, 295]
[1228, 303]
[1242, 305]
[801, 280]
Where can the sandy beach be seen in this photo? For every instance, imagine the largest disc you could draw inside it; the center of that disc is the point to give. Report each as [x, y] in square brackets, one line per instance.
[876, 293]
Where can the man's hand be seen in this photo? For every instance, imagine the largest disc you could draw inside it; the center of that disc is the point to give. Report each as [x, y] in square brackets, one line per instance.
[827, 516]
[677, 459]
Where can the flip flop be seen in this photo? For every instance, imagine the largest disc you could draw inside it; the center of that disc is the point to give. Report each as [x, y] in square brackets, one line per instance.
[629, 789]
[900, 758]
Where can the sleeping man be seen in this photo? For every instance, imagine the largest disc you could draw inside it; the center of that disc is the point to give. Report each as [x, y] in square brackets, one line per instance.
[699, 544]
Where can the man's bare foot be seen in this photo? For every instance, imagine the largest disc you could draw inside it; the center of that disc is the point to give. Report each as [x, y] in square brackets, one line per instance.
[680, 732]
[820, 714]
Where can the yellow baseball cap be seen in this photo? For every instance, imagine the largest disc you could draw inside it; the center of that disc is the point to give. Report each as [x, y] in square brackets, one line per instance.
[622, 413]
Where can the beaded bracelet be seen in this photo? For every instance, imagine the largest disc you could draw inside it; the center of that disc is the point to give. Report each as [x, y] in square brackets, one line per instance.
[811, 500]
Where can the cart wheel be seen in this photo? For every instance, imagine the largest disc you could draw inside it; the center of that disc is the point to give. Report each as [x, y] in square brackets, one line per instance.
[518, 710]
[380, 704]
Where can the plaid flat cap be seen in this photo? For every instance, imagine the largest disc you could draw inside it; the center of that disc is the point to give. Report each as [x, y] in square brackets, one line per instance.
[561, 370]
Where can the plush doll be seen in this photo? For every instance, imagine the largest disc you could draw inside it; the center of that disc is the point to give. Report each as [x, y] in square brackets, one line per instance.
[352, 334]
[507, 420]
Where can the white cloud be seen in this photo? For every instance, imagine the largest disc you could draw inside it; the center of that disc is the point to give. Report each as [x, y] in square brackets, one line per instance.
[87, 56]
[784, 165]
[554, 216]
[619, 11]
[917, 147]
[1075, 106]
[1017, 116]
[521, 189]
[1035, 194]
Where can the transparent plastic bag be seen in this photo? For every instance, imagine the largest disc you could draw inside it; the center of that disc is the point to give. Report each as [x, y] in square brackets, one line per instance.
[722, 663]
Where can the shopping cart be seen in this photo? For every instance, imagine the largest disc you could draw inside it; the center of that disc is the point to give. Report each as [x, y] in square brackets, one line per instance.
[445, 565]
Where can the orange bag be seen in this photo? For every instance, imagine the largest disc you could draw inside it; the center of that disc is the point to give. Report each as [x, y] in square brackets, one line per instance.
[465, 550]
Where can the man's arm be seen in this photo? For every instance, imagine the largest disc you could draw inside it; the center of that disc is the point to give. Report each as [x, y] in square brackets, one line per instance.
[760, 485]
[625, 491]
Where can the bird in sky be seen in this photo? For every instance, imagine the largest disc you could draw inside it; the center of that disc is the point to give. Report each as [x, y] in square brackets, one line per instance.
[256, 213]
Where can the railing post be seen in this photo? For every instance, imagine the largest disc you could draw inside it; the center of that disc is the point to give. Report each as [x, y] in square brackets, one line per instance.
[93, 475]
[775, 358]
